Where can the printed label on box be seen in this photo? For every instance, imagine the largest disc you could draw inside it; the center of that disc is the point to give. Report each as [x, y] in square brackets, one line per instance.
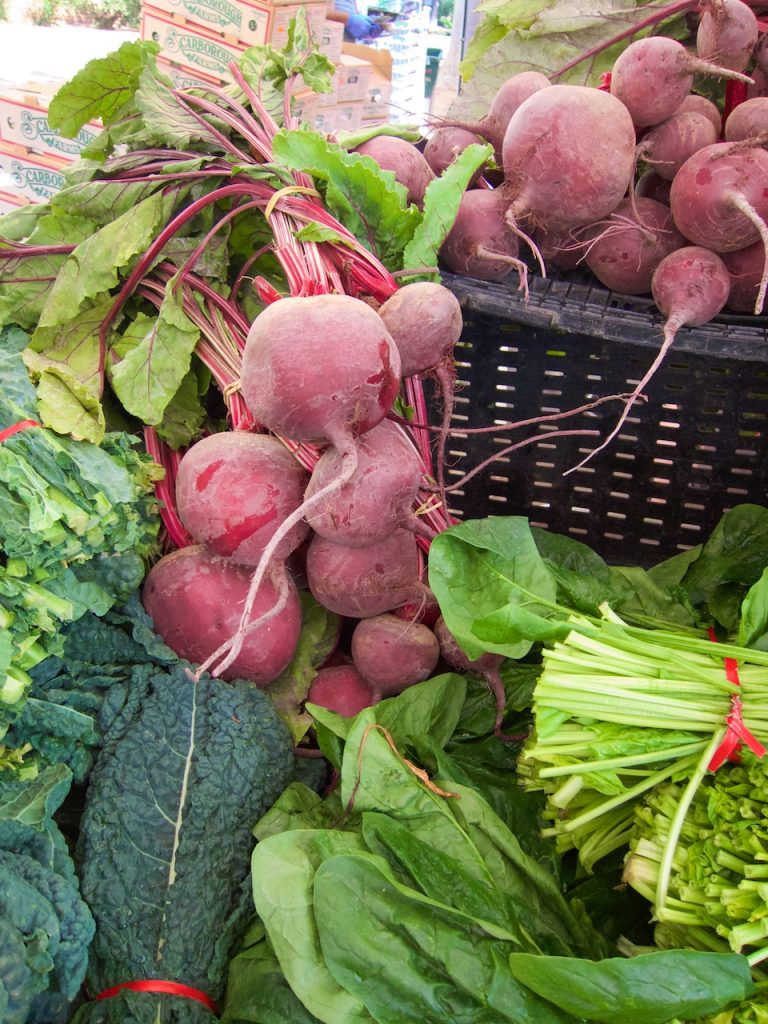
[349, 116]
[31, 175]
[283, 15]
[351, 79]
[331, 40]
[24, 121]
[222, 15]
[186, 44]
[246, 22]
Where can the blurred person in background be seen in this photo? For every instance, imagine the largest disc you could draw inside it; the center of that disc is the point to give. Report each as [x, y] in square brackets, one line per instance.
[357, 27]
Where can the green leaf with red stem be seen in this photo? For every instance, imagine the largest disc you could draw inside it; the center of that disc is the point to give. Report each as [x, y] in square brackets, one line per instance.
[103, 200]
[150, 359]
[299, 56]
[184, 415]
[25, 284]
[20, 223]
[315, 232]
[319, 636]
[366, 200]
[167, 121]
[95, 264]
[104, 88]
[569, 42]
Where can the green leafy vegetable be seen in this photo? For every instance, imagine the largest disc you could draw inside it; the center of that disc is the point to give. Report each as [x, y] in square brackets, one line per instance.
[407, 898]
[367, 200]
[706, 881]
[441, 204]
[103, 89]
[45, 927]
[637, 990]
[77, 523]
[571, 42]
[185, 769]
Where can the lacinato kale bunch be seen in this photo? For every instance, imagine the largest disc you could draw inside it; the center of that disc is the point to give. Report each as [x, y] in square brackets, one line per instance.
[186, 769]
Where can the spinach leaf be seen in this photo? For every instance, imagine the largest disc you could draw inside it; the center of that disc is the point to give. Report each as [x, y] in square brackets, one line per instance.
[409, 958]
[284, 871]
[753, 625]
[646, 989]
[257, 992]
[430, 709]
[735, 552]
[494, 590]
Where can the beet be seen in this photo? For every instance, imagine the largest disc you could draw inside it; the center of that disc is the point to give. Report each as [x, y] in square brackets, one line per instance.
[404, 160]
[481, 243]
[392, 654]
[666, 146]
[746, 267]
[360, 582]
[701, 105]
[653, 76]
[569, 157]
[445, 144]
[630, 244]
[748, 120]
[342, 689]
[195, 600]
[378, 497]
[727, 33]
[233, 491]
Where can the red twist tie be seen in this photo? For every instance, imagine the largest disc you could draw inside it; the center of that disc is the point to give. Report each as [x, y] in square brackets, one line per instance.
[737, 734]
[17, 428]
[171, 988]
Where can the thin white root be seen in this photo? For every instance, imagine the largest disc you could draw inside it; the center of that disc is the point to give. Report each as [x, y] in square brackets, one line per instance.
[745, 207]
[670, 329]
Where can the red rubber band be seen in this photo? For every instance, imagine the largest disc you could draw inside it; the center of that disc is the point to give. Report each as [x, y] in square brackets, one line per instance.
[16, 428]
[172, 988]
[737, 734]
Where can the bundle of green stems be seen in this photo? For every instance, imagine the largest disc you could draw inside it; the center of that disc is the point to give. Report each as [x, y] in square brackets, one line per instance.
[619, 710]
[715, 892]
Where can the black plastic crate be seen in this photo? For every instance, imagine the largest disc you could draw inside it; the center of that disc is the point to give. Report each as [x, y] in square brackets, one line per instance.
[694, 449]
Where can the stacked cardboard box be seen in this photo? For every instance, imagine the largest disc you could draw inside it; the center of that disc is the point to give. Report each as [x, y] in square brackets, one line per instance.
[199, 38]
[33, 155]
[378, 83]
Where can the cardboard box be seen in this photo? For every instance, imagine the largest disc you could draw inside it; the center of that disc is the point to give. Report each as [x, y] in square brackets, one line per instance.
[351, 78]
[305, 105]
[24, 122]
[379, 89]
[247, 22]
[30, 176]
[183, 77]
[331, 40]
[190, 46]
[324, 119]
[349, 116]
[10, 201]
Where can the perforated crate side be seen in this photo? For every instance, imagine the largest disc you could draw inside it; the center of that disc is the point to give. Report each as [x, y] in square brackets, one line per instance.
[695, 448]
